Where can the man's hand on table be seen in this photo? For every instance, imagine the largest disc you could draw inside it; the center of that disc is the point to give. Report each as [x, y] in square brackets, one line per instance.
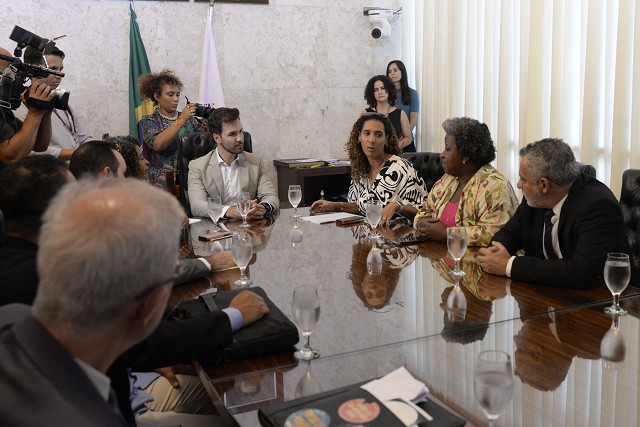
[251, 306]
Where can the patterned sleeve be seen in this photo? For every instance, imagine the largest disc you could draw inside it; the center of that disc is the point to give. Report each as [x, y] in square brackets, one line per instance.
[150, 129]
[412, 190]
[488, 207]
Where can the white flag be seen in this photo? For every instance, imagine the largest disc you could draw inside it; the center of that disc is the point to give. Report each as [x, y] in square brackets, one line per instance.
[210, 84]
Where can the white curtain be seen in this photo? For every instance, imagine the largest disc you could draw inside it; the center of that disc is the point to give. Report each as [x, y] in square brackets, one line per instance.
[530, 69]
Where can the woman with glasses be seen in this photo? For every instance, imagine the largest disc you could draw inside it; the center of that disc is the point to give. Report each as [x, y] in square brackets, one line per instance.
[380, 95]
[378, 173]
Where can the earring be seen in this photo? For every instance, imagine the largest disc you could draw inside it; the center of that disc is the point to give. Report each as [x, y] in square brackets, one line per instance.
[464, 161]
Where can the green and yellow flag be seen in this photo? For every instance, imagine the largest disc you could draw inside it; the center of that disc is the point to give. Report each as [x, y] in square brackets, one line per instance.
[138, 65]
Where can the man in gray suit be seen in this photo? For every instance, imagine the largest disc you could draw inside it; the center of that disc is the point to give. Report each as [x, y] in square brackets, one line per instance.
[228, 170]
[93, 303]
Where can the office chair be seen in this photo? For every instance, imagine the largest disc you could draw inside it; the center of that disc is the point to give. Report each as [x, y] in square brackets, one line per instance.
[193, 146]
[630, 205]
[428, 166]
[588, 169]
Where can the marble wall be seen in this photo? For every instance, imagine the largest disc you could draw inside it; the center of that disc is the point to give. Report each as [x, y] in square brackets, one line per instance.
[296, 69]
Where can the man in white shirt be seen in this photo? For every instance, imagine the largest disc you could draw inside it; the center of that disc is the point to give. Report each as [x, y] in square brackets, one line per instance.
[68, 131]
[227, 170]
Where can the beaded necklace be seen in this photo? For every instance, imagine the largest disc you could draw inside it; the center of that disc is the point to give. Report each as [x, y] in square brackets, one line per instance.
[175, 116]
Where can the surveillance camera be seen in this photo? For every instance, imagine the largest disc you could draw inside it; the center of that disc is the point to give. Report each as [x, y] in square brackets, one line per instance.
[380, 21]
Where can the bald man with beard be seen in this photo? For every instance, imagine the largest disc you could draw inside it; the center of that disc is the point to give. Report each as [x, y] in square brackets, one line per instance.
[18, 139]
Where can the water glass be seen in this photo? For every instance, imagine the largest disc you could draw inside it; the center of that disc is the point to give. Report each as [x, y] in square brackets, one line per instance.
[242, 251]
[214, 210]
[305, 310]
[244, 206]
[493, 383]
[295, 197]
[617, 272]
[457, 245]
[457, 304]
[295, 235]
[374, 216]
[612, 347]
[374, 261]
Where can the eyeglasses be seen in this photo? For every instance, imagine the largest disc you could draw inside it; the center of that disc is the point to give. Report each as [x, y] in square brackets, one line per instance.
[171, 280]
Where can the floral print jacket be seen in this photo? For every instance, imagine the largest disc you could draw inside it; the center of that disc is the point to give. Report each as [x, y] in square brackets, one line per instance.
[486, 204]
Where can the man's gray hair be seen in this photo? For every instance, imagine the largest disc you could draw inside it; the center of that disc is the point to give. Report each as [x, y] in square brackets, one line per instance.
[102, 242]
[551, 158]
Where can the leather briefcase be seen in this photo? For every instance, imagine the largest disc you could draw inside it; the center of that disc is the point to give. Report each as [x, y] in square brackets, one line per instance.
[273, 332]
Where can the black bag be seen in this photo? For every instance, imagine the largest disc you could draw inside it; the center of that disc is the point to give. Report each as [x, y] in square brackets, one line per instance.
[274, 332]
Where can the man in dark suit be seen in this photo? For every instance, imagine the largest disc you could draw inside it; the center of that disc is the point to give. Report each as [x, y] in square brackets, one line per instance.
[566, 224]
[228, 170]
[94, 302]
[26, 189]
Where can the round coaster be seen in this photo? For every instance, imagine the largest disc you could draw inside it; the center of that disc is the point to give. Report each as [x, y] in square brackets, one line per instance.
[358, 411]
[404, 412]
[308, 417]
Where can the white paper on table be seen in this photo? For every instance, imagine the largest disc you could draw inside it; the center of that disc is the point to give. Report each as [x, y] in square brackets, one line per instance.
[326, 218]
[399, 384]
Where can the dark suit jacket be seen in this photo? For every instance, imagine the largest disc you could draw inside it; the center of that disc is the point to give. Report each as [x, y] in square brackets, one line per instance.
[19, 278]
[591, 225]
[40, 382]
[173, 342]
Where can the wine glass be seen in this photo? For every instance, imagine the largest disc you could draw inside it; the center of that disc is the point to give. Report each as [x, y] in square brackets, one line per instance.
[214, 210]
[374, 215]
[244, 206]
[612, 347]
[295, 235]
[242, 252]
[457, 244]
[456, 304]
[306, 312]
[617, 272]
[374, 261]
[493, 383]
[308, 384]
[295, 197]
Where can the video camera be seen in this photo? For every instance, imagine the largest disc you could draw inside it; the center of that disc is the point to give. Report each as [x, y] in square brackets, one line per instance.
[16, 74]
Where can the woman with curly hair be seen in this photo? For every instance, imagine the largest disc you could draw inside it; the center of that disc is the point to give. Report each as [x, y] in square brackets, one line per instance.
[162, 128]
[137, 165]
[472, 193]
[377, 172]
[380, 94]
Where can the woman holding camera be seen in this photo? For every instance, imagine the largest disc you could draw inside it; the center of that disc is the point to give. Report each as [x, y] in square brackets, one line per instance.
[161, 130]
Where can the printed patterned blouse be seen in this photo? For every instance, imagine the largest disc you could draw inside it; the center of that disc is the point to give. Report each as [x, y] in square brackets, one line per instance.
[396, 181]
[486, 204]
[152, 125]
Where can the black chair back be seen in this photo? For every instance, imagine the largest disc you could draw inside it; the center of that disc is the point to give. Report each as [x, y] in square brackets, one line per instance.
[588, 169]
[193, 146]
[427, 165]
[630, 204]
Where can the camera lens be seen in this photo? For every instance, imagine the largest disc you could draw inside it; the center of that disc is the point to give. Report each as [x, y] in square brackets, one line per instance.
[376, 33]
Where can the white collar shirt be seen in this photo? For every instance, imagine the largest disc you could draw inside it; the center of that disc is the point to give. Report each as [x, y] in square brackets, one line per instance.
[231, 180]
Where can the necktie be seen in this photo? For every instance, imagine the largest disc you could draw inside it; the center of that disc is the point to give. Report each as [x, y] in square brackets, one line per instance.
[548, 241]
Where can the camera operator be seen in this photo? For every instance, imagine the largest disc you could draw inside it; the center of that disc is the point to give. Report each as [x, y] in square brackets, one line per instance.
[18, 139]
[68, 131]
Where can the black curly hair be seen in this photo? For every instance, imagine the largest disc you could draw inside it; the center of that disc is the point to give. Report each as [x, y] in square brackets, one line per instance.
[388, 85]
[360, 167]
[126, 146]
[473, 139]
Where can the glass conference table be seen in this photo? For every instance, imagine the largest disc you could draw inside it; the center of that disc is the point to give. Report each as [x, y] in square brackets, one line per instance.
[370, 325]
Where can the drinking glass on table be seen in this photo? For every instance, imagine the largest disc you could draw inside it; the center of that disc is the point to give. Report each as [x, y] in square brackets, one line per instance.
[242, 252]
[305, 310]
[457, 245]
[617, 272]
[493, 383]
[214, 210]
[374, 215]
[244, 206]
[295, 197]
